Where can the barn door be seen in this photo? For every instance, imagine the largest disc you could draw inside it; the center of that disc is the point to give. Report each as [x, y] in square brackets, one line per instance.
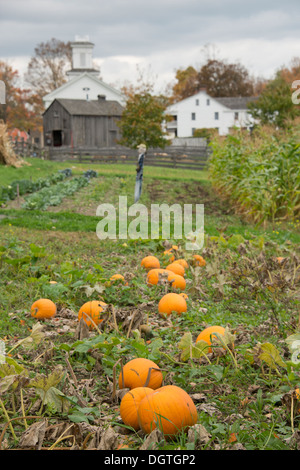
[57, 138]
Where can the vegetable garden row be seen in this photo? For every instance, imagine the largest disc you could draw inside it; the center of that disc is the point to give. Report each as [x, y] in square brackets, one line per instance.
[45, 192]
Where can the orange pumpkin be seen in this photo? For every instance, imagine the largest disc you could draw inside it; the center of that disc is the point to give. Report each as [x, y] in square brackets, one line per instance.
[135, 374]
[183, 262]
[176, 268]
[43, 309]
[118, 277]
[169, 255]
[177, 281]
[169, 408]
[92, 310]
[130, 403]
[184, 295]
[199, 260]
[154, 275]
[150, 262]
[208, 333]
[172, 302]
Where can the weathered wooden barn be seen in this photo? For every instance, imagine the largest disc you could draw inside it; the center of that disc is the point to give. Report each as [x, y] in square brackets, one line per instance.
[82, 123]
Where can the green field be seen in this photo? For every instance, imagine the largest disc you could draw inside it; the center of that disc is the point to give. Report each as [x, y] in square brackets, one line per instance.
[244, 395]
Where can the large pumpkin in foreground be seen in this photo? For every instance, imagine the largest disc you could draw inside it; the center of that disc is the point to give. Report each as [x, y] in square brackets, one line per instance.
[130, 403]
[169, 409]
[135, 374]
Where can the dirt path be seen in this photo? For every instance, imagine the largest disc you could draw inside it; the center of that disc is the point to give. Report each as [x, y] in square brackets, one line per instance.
[157, 191]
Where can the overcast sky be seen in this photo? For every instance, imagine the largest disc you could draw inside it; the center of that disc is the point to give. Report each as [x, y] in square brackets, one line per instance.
[159, 35]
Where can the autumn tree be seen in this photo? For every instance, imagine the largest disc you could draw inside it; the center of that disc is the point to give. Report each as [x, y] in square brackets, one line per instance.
[142, 121]
[187, 84]
[274, 105]
[47, 68]
[292, 72]
[219, 78]
[21, 104]
[224, 80]
[144, 116]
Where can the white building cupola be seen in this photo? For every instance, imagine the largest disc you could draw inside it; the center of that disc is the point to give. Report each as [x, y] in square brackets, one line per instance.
[82, 57]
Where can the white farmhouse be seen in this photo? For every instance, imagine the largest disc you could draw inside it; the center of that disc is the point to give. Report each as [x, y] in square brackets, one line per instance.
[83, 79]
[203, 111]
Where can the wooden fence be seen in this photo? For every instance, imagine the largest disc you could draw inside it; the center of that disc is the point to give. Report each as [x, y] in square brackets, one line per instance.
[173, 156]
[194, 158]
[28, 149]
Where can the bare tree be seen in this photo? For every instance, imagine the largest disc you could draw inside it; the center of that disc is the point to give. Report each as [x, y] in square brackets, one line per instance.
[47, 69]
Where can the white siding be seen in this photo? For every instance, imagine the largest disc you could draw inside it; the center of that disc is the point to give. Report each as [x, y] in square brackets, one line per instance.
[200, 111]
[76, 88]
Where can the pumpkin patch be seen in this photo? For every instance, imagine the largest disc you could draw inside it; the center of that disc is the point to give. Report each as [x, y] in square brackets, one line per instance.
[104, 341]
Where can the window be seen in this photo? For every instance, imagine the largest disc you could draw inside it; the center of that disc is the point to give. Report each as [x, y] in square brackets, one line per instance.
[236, 115]
[193, 116]
[197, 102]
[207, 102]
[216, 116]
[82, 59]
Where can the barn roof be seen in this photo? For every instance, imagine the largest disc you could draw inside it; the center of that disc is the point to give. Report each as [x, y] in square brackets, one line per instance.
[100, 107]
[239, 102]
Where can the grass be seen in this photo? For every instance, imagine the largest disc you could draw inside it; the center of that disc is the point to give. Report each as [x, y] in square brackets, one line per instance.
[42, 168]
[244, 398]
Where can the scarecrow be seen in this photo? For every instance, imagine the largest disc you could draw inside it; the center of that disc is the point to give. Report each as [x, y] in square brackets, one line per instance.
[139, 172]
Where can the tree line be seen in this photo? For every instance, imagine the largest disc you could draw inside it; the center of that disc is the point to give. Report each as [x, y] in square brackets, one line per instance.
[47, 68]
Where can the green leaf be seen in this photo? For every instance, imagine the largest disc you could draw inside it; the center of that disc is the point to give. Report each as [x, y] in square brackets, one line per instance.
[44, 383]
[55, 399]
[11, 375]
[37, 251]
[89, 290]
[34, 338]
[191, 350]
[270, 355]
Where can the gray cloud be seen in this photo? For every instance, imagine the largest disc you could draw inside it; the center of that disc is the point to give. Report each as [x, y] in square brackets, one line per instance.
[170, 31]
